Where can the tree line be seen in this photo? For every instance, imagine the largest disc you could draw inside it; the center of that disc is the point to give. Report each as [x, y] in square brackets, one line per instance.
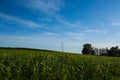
[88, 49]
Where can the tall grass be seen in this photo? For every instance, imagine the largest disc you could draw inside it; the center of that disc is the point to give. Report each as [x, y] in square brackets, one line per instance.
[18, 64]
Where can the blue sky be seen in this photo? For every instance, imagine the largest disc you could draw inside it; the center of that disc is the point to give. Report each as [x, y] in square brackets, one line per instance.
[45, 24]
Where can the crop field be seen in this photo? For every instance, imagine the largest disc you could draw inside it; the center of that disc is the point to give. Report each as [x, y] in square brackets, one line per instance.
[21, 64]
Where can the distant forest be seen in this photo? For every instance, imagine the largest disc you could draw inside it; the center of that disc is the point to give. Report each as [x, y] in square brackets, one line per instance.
[87, 50]
[113, 51]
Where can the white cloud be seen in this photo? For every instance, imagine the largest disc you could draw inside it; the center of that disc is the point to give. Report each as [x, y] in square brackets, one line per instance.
[104, 44]
[67, 23]
[46, 6]
[19, 20]
[45, 19]
[50, 34]
[96, 31]
[63, 21]
[43, 41]
[75, 35]
[50, 7]
[116, 23]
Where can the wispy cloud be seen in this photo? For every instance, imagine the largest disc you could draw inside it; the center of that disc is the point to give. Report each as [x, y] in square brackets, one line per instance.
[45, 19]
[104, 44]
[116, 23]
[50, 34]
[46, 6]
[96, 31]
[65, 22]
[51, 8]
[19, 20]
[38, 42]
[76, 35]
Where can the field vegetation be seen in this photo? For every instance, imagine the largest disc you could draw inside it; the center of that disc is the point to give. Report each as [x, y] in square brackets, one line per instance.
[25, 64]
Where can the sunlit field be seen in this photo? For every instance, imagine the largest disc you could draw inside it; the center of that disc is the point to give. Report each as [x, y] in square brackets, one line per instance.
[21, 64]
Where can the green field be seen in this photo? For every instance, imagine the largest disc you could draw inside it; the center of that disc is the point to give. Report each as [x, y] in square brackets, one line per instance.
[20, 64]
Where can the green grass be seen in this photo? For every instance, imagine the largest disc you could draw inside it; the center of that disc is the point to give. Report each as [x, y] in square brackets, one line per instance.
[21, 64]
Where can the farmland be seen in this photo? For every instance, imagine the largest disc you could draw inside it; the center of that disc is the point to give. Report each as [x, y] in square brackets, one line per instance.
[22, 64]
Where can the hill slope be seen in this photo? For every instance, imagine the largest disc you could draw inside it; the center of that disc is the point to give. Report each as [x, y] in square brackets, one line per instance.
[25, 64]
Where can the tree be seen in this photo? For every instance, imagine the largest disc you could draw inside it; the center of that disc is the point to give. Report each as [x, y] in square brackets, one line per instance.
[103, 51]
[96, 51]
[87, 49]
[114, 51]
